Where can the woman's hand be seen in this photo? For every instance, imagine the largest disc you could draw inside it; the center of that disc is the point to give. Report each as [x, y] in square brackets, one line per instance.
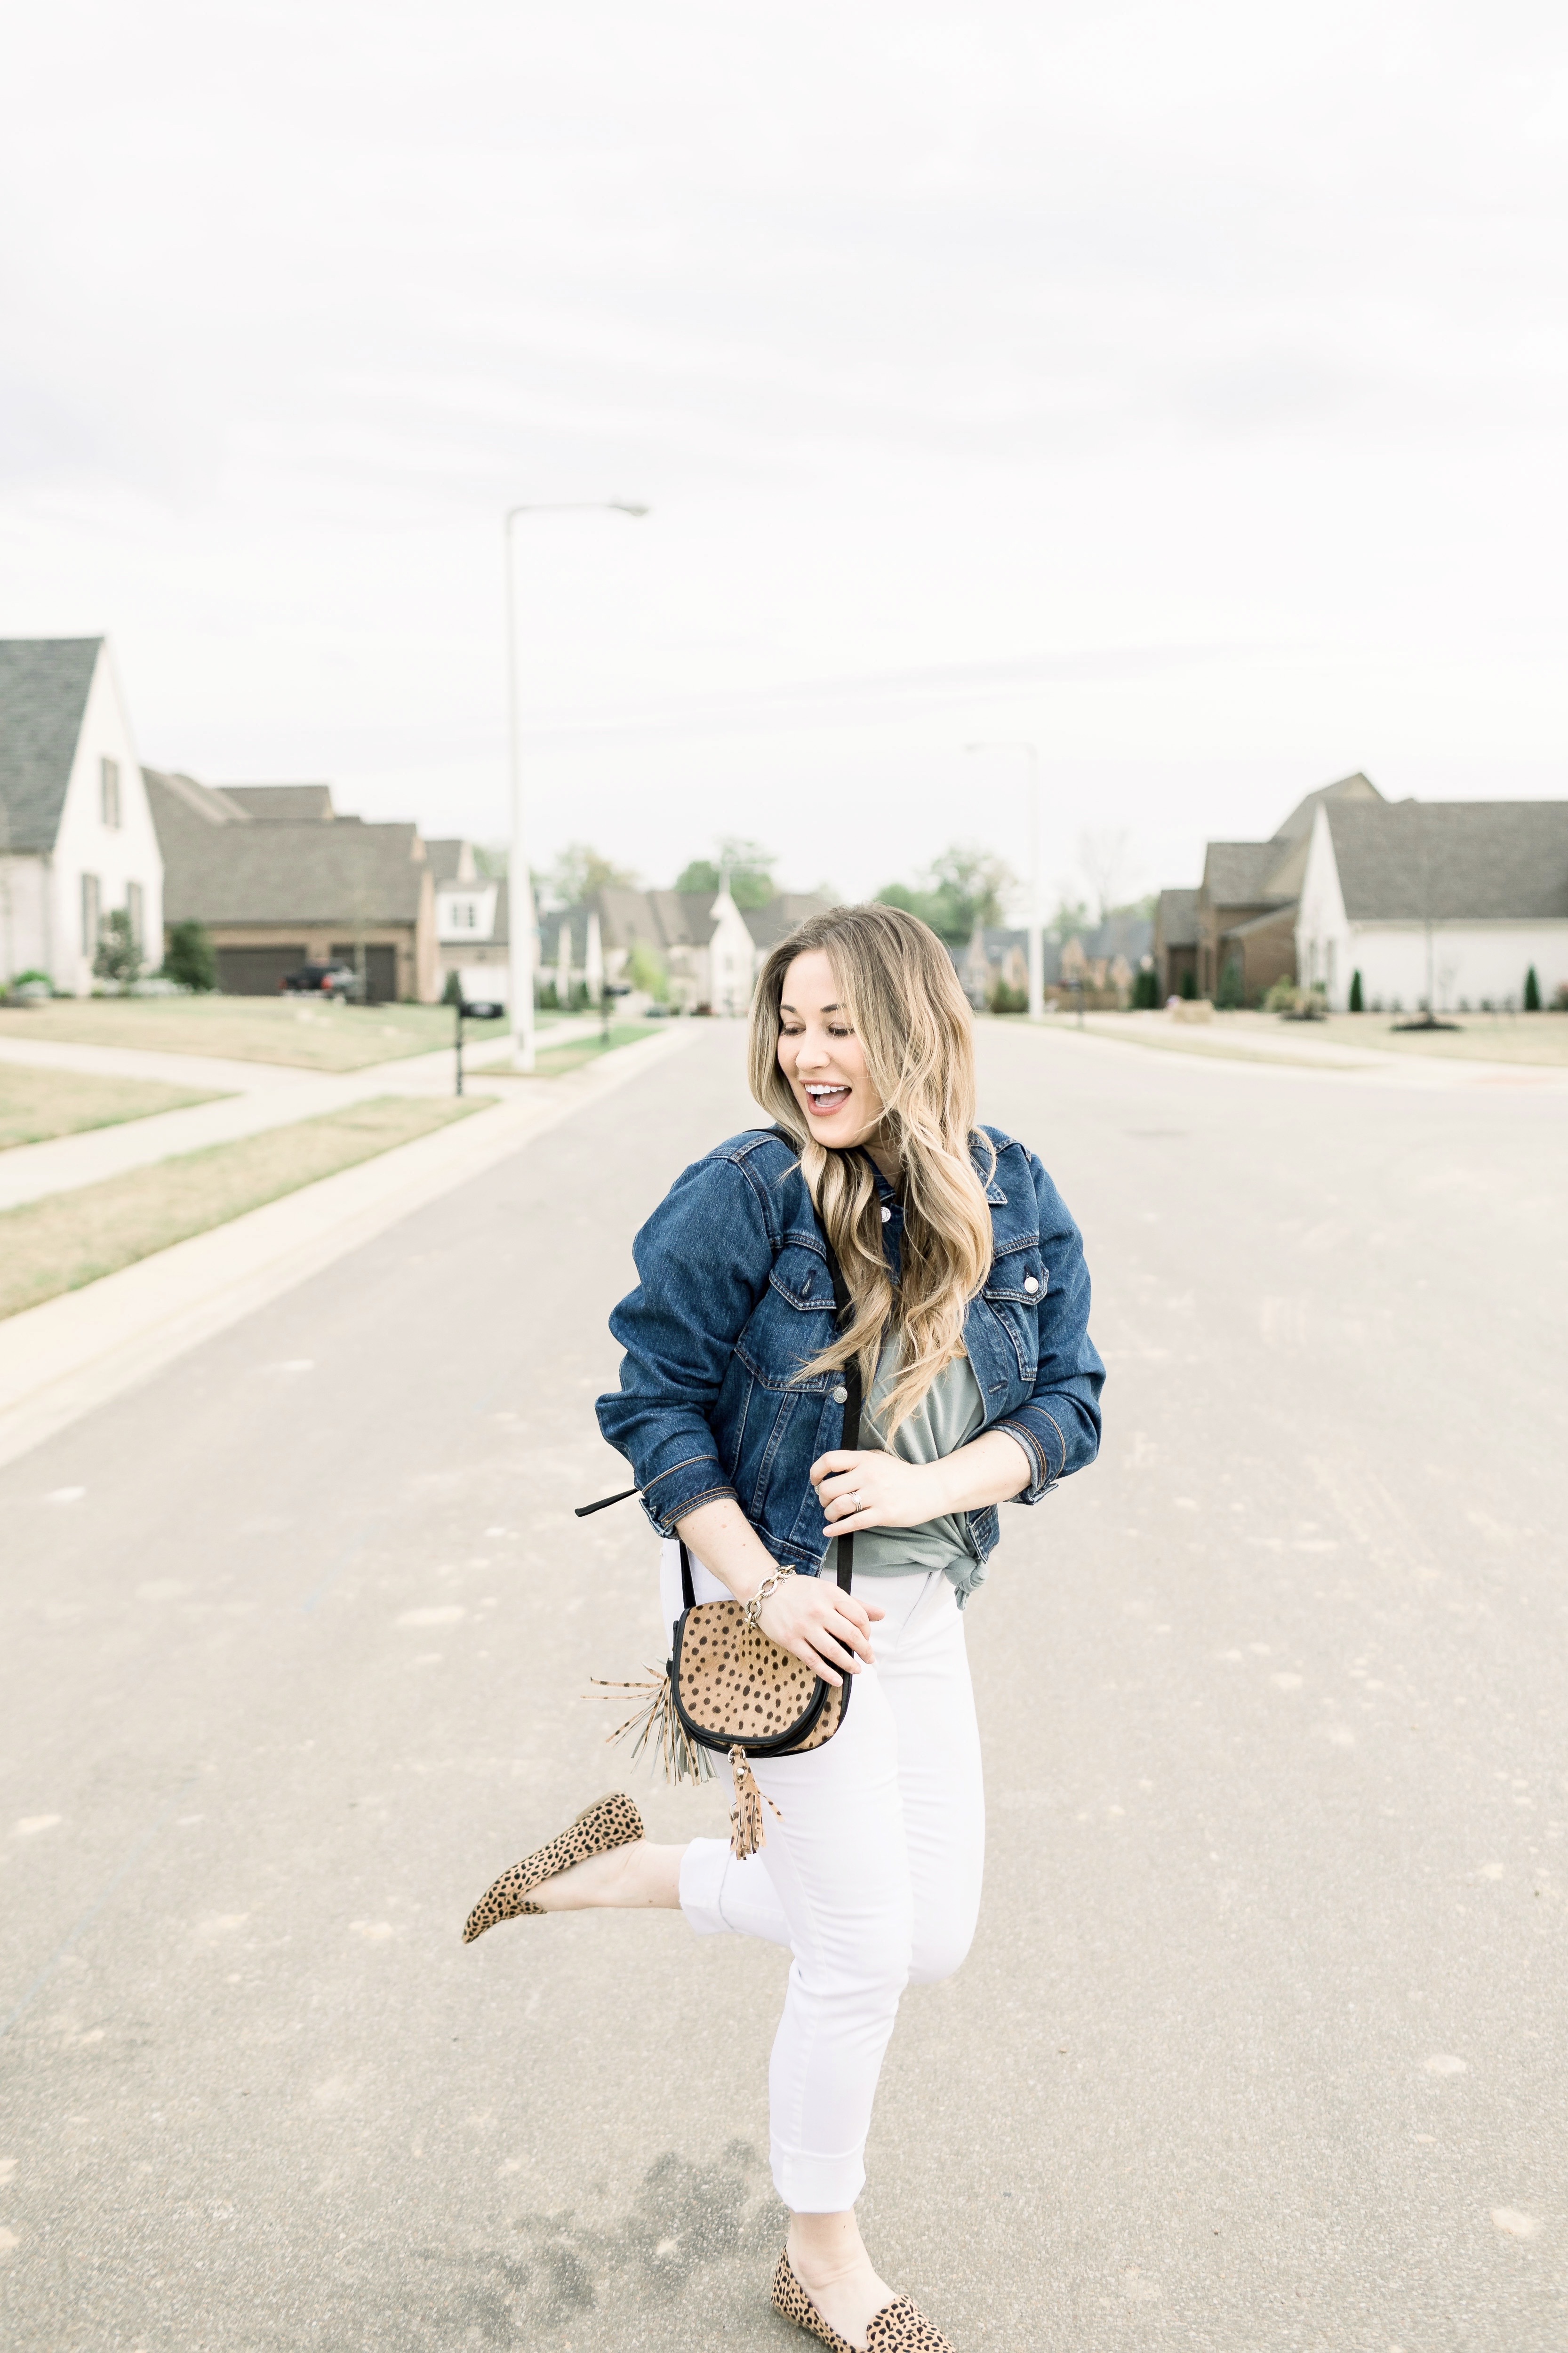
[862, 1489]
[825, 1629]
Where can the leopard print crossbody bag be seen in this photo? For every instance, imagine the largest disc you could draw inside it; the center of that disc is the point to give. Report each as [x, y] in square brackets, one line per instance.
[730, 1689]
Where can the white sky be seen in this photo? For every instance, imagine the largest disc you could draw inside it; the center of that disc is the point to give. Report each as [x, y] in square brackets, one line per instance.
[1181, 388]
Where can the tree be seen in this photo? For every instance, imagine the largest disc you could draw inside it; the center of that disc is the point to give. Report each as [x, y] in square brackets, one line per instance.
[646, 970]
[581, 869]
[1531, 992]
[1356, 1005]
[1228, 995]
[189, 957]
[1146, 989]
[963, 887]
[750, 868]
[119, 957]
[1103, 856]
[1072, 915]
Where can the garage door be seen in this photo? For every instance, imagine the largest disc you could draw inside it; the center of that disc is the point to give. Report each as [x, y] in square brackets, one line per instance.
[379, 970]
[257, 972]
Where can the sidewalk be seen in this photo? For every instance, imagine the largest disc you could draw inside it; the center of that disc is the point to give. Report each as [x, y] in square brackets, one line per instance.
[60, 1359]
[258, 1096]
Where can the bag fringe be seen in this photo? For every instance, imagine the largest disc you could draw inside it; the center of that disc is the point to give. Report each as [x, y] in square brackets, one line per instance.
[658, 1725]
[746, 1830]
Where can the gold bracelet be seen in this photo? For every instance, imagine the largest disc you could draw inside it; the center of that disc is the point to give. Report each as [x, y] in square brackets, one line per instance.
[752, 1607]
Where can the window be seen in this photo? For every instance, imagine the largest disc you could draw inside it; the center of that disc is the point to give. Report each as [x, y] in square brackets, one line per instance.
[133, 909]
[109, 775]
[91, 914]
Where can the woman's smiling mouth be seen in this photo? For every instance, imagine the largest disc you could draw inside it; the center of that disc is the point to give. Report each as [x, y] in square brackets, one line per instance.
[824, 1099]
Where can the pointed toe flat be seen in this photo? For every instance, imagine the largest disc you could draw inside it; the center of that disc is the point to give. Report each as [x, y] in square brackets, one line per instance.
[608, 1822]
[900, 2327]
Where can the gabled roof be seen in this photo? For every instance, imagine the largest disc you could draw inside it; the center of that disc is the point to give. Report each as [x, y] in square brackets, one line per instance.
[44, 684]
[1298, 826]
[1451, 861]
[224, 867]
[453, 862]
[1176, 919]
[1237, 873]
[774, 921]
[286, 804]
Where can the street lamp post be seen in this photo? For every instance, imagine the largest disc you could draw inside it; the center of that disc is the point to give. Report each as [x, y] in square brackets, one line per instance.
[1036, 918]
[520, 892]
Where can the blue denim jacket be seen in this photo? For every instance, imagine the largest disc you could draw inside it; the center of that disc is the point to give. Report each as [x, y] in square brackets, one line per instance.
[736, 1297]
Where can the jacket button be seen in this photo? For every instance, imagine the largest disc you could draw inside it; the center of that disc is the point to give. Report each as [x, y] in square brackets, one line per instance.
[1030, 1284]
[840, 1397]
[887, 1217]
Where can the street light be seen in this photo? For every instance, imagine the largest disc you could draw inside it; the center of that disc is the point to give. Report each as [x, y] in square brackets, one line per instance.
[520, 893]
[1037, 921]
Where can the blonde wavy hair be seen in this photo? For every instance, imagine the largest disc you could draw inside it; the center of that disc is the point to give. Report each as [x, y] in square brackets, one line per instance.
[898, 986]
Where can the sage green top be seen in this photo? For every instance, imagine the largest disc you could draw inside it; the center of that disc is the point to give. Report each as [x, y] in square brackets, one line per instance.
[948, 1415]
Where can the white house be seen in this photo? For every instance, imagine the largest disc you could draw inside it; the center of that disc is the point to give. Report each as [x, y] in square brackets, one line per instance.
[77, 837]
[472, 934]
[1446, 902]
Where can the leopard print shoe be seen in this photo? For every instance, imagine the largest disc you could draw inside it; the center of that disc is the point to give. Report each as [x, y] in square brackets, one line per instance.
[898, 2327]
[608, 1822]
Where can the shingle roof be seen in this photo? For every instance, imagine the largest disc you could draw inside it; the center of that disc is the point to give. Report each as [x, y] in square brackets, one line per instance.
[284, 804]
[453, 862]
[1237, 873]
[774, 921]
[1452, 860]
[1176, 919]
[44, 684]
[223, 869]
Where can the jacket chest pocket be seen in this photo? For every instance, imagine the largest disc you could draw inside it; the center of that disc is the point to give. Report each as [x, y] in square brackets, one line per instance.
[791, 1324]
[1014, 1291]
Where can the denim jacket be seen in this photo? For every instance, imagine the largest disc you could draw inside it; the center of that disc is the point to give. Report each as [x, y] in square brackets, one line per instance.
[736, 1297]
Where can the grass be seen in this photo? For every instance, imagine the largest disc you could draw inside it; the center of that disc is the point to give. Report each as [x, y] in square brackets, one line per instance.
[70, 1239]
[556, 1060]
[38, 1104]
[307, 1034]
[1541, 1038]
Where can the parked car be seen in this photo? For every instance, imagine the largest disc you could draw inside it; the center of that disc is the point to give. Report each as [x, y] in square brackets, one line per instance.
[321, 980]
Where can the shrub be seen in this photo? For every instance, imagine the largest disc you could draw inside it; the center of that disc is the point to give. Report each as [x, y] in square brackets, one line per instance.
[1280, 997]
[119, 953]
[1227, 996]
[646, 970]
[189, 957]
[1145, 990]
[453, 992]
[1004, 1000]
[1531, 992]
[1356, 1005]
[1189, 988]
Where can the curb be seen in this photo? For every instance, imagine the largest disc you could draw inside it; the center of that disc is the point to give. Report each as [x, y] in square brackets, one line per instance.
[60, 1359]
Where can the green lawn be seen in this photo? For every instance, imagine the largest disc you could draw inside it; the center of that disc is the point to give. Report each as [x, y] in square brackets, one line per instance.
[1527, 1038]
[555, 1061]
[70, 1238]
[37, 1104]
[308, 1033]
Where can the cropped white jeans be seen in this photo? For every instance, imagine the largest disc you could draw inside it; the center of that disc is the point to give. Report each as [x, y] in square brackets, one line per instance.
[871, 1876]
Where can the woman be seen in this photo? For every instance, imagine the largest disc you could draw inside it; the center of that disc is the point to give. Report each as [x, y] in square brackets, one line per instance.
[970, 1302]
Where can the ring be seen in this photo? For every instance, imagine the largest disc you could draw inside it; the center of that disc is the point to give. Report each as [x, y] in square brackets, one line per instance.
[854, 1500]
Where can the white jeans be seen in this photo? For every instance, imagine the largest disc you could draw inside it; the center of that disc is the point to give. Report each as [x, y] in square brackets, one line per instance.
[871, 1877]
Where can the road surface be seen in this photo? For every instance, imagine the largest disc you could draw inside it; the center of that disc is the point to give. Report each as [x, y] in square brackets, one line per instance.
[1261, 2042]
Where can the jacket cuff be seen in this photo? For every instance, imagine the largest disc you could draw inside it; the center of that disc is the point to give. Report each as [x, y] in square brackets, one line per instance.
[668, 1496]
[1045, 1477]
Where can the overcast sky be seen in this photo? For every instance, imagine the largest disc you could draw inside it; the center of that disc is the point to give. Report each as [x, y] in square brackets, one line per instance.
[1179, 388]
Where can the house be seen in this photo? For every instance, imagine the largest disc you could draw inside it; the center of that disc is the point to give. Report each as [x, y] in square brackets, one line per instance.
[708, 950]
[1245, 916]
[1175, 943]
[77, 838]
[280, 878]
[1445, 904]
[1102, 958]
[473, 934]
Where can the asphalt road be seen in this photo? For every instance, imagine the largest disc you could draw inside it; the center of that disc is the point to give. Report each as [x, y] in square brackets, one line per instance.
[1262, 2043]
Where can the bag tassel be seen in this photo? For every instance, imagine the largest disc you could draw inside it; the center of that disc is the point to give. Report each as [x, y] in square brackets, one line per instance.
[658, 1725]
[746, 1830]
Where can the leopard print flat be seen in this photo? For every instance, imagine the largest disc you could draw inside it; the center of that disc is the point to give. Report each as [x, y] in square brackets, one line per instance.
[608, 1822]
[898, 2327]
